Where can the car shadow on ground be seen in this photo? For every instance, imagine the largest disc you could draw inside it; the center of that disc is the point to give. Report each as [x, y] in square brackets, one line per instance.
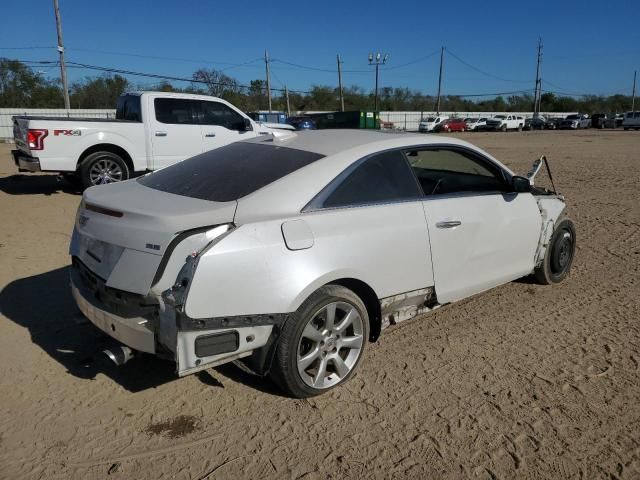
[44, 306]
[36, 184]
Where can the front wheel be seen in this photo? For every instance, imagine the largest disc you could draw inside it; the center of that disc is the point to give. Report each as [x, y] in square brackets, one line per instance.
[322, 343]
[503, 128]
[101, 168]
[559, 255]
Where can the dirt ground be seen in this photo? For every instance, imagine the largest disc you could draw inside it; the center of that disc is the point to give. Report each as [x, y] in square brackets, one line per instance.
[524, 381]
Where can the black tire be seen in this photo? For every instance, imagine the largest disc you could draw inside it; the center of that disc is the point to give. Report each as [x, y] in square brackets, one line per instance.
[114, 169]
[503, 128]
[285, 369]
[559, 255]
[519, 128]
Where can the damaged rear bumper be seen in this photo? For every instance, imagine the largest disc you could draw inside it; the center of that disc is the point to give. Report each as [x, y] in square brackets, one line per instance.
[165, 330]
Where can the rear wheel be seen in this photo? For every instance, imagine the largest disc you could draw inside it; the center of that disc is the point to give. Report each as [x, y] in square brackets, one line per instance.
[101, 168]
[321, 343]
[559, 255]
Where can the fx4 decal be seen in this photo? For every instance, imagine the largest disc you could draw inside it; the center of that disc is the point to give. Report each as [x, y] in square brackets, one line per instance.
[67, 133]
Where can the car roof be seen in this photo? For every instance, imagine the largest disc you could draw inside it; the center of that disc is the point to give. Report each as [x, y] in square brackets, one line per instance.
[333, 141]
[340, 148]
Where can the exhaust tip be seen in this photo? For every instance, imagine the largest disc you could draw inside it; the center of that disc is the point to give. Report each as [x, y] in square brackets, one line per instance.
[120, 354]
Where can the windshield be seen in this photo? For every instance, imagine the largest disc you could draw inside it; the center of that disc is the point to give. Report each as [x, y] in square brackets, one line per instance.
[500, 116]
[229, 173]
[430, 119]
[573, 117]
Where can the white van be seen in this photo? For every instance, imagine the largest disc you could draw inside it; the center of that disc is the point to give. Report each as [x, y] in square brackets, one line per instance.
[430, 123]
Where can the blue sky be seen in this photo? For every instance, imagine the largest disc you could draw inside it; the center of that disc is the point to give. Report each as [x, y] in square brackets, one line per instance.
[589, 46]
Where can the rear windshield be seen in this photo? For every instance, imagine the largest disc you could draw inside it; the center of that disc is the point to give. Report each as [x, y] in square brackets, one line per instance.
[229, 173]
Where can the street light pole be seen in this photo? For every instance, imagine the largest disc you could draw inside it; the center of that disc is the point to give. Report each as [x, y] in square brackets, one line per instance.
[377, 60]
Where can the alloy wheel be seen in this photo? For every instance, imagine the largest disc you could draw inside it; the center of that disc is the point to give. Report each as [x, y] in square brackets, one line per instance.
[330, 345]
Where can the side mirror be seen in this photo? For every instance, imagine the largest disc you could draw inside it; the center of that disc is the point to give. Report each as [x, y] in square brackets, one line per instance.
[520, 184]
[248, 127]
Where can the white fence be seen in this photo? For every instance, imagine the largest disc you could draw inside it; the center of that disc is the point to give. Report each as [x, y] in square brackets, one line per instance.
[6, 123]
[409, 121]
[401, 120]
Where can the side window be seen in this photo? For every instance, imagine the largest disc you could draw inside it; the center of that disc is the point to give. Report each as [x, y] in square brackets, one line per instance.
[445, 171]
[175, 111]
[385, 177]
[215, 113]
[128, 108]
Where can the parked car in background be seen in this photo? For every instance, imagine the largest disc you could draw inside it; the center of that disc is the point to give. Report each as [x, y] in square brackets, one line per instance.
[599, 120]
[575, 122]
[430, 123]
[152, 130]
[537, 123]
[475, 124]
[321, 241]
[553, 123]
[505, 122]
[451, 125]
[302, 123]
[631, 121]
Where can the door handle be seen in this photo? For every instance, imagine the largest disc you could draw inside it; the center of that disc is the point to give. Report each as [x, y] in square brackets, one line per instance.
[209, 135]
[161, 134]
[449, 224]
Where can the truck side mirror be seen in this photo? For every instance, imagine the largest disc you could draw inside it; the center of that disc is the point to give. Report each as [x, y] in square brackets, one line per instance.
[248, 127]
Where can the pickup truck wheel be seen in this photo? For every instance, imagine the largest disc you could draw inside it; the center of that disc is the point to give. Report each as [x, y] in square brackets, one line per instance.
[101, 168]
[559, 255]
[322, 343]
[519, 128]
[503, 128]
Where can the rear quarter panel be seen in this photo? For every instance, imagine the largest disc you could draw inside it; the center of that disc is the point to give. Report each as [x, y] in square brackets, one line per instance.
[252, 271]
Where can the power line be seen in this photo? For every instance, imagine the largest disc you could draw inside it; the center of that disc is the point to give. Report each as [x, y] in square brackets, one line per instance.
[333, 70]
[27, 48]
[148, 75]
[473, 67]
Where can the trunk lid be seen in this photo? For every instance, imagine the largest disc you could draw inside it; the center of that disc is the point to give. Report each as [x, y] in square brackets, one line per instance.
[123, 230]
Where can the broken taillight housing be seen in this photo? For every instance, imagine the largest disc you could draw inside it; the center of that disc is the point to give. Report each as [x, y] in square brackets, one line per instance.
[35, 138]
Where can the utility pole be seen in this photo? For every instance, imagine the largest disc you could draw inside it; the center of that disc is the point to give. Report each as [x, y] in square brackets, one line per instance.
[440, 81]
[633, 95]
[266, 63]
[340, 83]
[377, 60]
[538, 89]
[63, 68]
[286, 94]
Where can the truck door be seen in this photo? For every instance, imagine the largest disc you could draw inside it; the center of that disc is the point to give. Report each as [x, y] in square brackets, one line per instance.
[174, 129]
[220, 125]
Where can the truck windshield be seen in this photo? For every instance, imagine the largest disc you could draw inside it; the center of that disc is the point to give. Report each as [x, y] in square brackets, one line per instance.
[229, 173]
[128, 108]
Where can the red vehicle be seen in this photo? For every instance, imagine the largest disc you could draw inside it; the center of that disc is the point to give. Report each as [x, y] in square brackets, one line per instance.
[452, 125]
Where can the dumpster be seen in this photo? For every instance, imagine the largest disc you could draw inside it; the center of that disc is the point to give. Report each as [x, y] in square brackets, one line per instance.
[353, 119]
[273, 117]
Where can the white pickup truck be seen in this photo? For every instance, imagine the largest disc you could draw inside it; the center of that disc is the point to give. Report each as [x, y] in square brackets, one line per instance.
[505, 122]
[152, 130]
